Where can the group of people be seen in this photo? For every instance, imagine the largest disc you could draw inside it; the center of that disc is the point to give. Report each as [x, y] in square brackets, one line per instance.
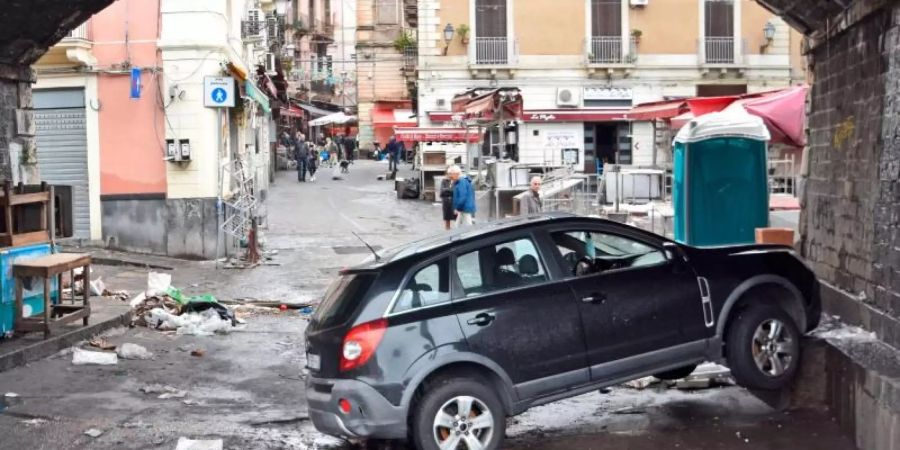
[328, 153]
[458, 199]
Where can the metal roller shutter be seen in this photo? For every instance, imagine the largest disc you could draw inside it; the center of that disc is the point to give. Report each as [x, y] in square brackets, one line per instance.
[62, 148]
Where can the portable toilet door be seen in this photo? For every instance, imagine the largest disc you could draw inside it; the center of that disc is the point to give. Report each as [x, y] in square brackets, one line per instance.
[720, 190]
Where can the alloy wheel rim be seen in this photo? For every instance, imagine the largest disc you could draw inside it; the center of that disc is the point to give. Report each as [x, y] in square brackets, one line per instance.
[463, 422]
[773, 349]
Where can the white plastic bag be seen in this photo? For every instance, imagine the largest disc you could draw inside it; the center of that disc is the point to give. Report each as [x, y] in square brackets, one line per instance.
[190, 444]
[158, 283]
[83, 357]
[133, 351]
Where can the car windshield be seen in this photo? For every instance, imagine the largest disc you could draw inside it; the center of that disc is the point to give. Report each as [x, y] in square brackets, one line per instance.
[341, 299]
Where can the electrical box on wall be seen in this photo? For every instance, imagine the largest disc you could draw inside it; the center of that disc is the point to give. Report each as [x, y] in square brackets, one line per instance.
[184, 153]
[171, 151]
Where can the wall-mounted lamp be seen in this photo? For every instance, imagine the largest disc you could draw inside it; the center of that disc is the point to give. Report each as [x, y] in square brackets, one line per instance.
[769, 35]
[449, 31]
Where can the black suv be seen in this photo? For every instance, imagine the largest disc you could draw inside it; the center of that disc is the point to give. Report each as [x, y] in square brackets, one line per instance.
[441, 339]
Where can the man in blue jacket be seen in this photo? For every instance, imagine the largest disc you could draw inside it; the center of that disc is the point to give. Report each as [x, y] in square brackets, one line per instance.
[463, 196]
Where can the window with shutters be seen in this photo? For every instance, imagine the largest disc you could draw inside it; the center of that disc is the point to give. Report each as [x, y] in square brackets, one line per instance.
[491, 32]
[606, 31]
[387, 12]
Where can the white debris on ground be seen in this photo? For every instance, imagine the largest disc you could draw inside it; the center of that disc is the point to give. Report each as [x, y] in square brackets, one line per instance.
[190, 444]
[833, 329]
[83, 357]
[133, 351]
[205, 323]
[164, 391]
[94, 433]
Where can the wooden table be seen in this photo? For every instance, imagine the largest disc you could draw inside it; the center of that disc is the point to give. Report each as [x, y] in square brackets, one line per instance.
[54, 315]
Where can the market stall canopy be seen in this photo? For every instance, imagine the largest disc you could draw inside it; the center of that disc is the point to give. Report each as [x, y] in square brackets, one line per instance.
[783, 112]
[435, 134]
[726, 124]
[489, 105]
[661, 110]
[392, 117]
[292, 111]
[337, 118]
[315, 111]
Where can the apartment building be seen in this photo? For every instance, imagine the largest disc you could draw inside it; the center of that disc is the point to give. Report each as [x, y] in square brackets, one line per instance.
[122, 118]
[386, 49]
[582, 64]
[310, 35]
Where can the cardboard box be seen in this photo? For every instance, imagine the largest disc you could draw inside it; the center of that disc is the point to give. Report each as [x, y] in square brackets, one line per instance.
[782, 236]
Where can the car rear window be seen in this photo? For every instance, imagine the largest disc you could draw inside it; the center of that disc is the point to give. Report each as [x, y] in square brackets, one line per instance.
[341, 299]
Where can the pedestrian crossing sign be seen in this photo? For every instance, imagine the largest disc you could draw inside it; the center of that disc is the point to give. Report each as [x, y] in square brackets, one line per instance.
[218, 92]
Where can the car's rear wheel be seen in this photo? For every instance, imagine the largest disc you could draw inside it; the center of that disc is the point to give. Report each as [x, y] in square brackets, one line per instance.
[676, 374]
[763, 347]
[458, 414]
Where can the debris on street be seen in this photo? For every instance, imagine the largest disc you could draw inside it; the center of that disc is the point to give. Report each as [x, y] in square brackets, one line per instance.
[190, 444]
[101, 343]
[120, 295]
[94, 433]
[134, 351]
[198, 353]
[164, 391]
[84, 357]
[166, 308]
[703, 377]
[35, 422]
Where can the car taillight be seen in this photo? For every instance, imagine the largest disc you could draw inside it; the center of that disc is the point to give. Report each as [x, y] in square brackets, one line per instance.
[360, 344]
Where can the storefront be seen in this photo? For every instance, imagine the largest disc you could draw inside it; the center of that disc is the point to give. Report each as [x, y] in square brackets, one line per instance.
[386, 115]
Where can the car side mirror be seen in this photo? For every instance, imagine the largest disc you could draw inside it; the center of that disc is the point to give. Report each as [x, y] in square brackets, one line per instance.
[674, 252]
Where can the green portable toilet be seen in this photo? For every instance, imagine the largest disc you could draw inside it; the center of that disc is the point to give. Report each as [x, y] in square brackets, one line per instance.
[720, 189]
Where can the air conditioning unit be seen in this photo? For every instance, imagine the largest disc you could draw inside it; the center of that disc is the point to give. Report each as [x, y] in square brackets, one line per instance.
[567, 97]
[639, 2]
[270, 63]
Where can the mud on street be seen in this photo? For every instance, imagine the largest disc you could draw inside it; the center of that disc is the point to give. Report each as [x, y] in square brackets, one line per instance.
[246, 387]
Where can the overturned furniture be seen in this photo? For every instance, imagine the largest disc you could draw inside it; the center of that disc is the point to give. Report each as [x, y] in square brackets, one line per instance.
[55, 314]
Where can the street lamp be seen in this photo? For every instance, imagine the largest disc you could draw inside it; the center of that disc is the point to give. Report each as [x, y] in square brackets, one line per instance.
[769, 31]
[448, 37]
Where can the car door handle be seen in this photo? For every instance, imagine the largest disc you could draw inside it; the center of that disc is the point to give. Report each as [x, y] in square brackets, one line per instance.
[481, 320]
[594, 298]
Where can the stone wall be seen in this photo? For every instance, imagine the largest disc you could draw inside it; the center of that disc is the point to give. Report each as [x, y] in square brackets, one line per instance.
[17, 127]
[851, 207]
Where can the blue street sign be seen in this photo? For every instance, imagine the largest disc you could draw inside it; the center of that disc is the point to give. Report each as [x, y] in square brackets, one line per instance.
[135, 82]
[219, 95]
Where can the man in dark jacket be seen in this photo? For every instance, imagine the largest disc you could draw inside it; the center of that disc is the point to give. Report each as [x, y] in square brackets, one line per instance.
[301, 154]
[393, 153]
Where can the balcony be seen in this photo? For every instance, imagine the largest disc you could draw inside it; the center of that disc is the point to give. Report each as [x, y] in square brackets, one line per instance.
[718, 50]
[492, 51]
[73, 49]
[606, 50]
[80, 33]
[410, 58]
[322, 88]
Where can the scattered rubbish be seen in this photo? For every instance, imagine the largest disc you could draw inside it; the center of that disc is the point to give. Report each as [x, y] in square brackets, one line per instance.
[158, 283]
[205, 323]
[280, 421]
[11, 395]
[198, 353]
[642, 383]
[93, 432]
[101, 343]
[628, 410]
[120, 295]
[283, 307]
[165, 391]
[34, 422]
[83, 357]
[98, 287]
[197, 307]
[833, 329]
[306, 311]
[190, 444]
[138, 299]
[134, 351]
[166, 308]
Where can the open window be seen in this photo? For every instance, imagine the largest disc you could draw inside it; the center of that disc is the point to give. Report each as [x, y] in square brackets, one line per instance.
[588, 252]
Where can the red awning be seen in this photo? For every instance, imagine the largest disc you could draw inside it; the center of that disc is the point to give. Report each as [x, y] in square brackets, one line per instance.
[489, 105]
[783, 111]
[293, 111]
[705, 105]
[392, 117]
[550, 115]
[658, 110]
[435, 134]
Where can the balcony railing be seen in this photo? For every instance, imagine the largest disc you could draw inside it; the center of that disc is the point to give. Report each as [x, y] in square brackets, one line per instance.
[492, 50]
[719, 50]
[606, 50]
[80, 32]
[410, 58]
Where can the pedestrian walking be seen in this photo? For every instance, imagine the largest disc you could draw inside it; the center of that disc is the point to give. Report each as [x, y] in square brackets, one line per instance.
[333, 151]
[301, 155]
[393, 153]
[531, 202]
[463, 196]
[446, 194]
[313, 164]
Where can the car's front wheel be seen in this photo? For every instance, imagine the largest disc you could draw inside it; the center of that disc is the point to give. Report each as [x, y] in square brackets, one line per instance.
[457, 414]
[763, 347]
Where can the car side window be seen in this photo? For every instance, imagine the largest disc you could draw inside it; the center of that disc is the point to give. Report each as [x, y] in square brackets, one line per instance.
[497, 267]
[428, 287]
[589, 252]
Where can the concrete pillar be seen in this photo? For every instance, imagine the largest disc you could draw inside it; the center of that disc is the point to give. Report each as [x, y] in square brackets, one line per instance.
[18, 148]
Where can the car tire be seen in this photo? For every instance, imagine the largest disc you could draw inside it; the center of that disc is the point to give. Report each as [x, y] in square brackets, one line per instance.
[762, 348]
[449, 395]
[676, 374]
